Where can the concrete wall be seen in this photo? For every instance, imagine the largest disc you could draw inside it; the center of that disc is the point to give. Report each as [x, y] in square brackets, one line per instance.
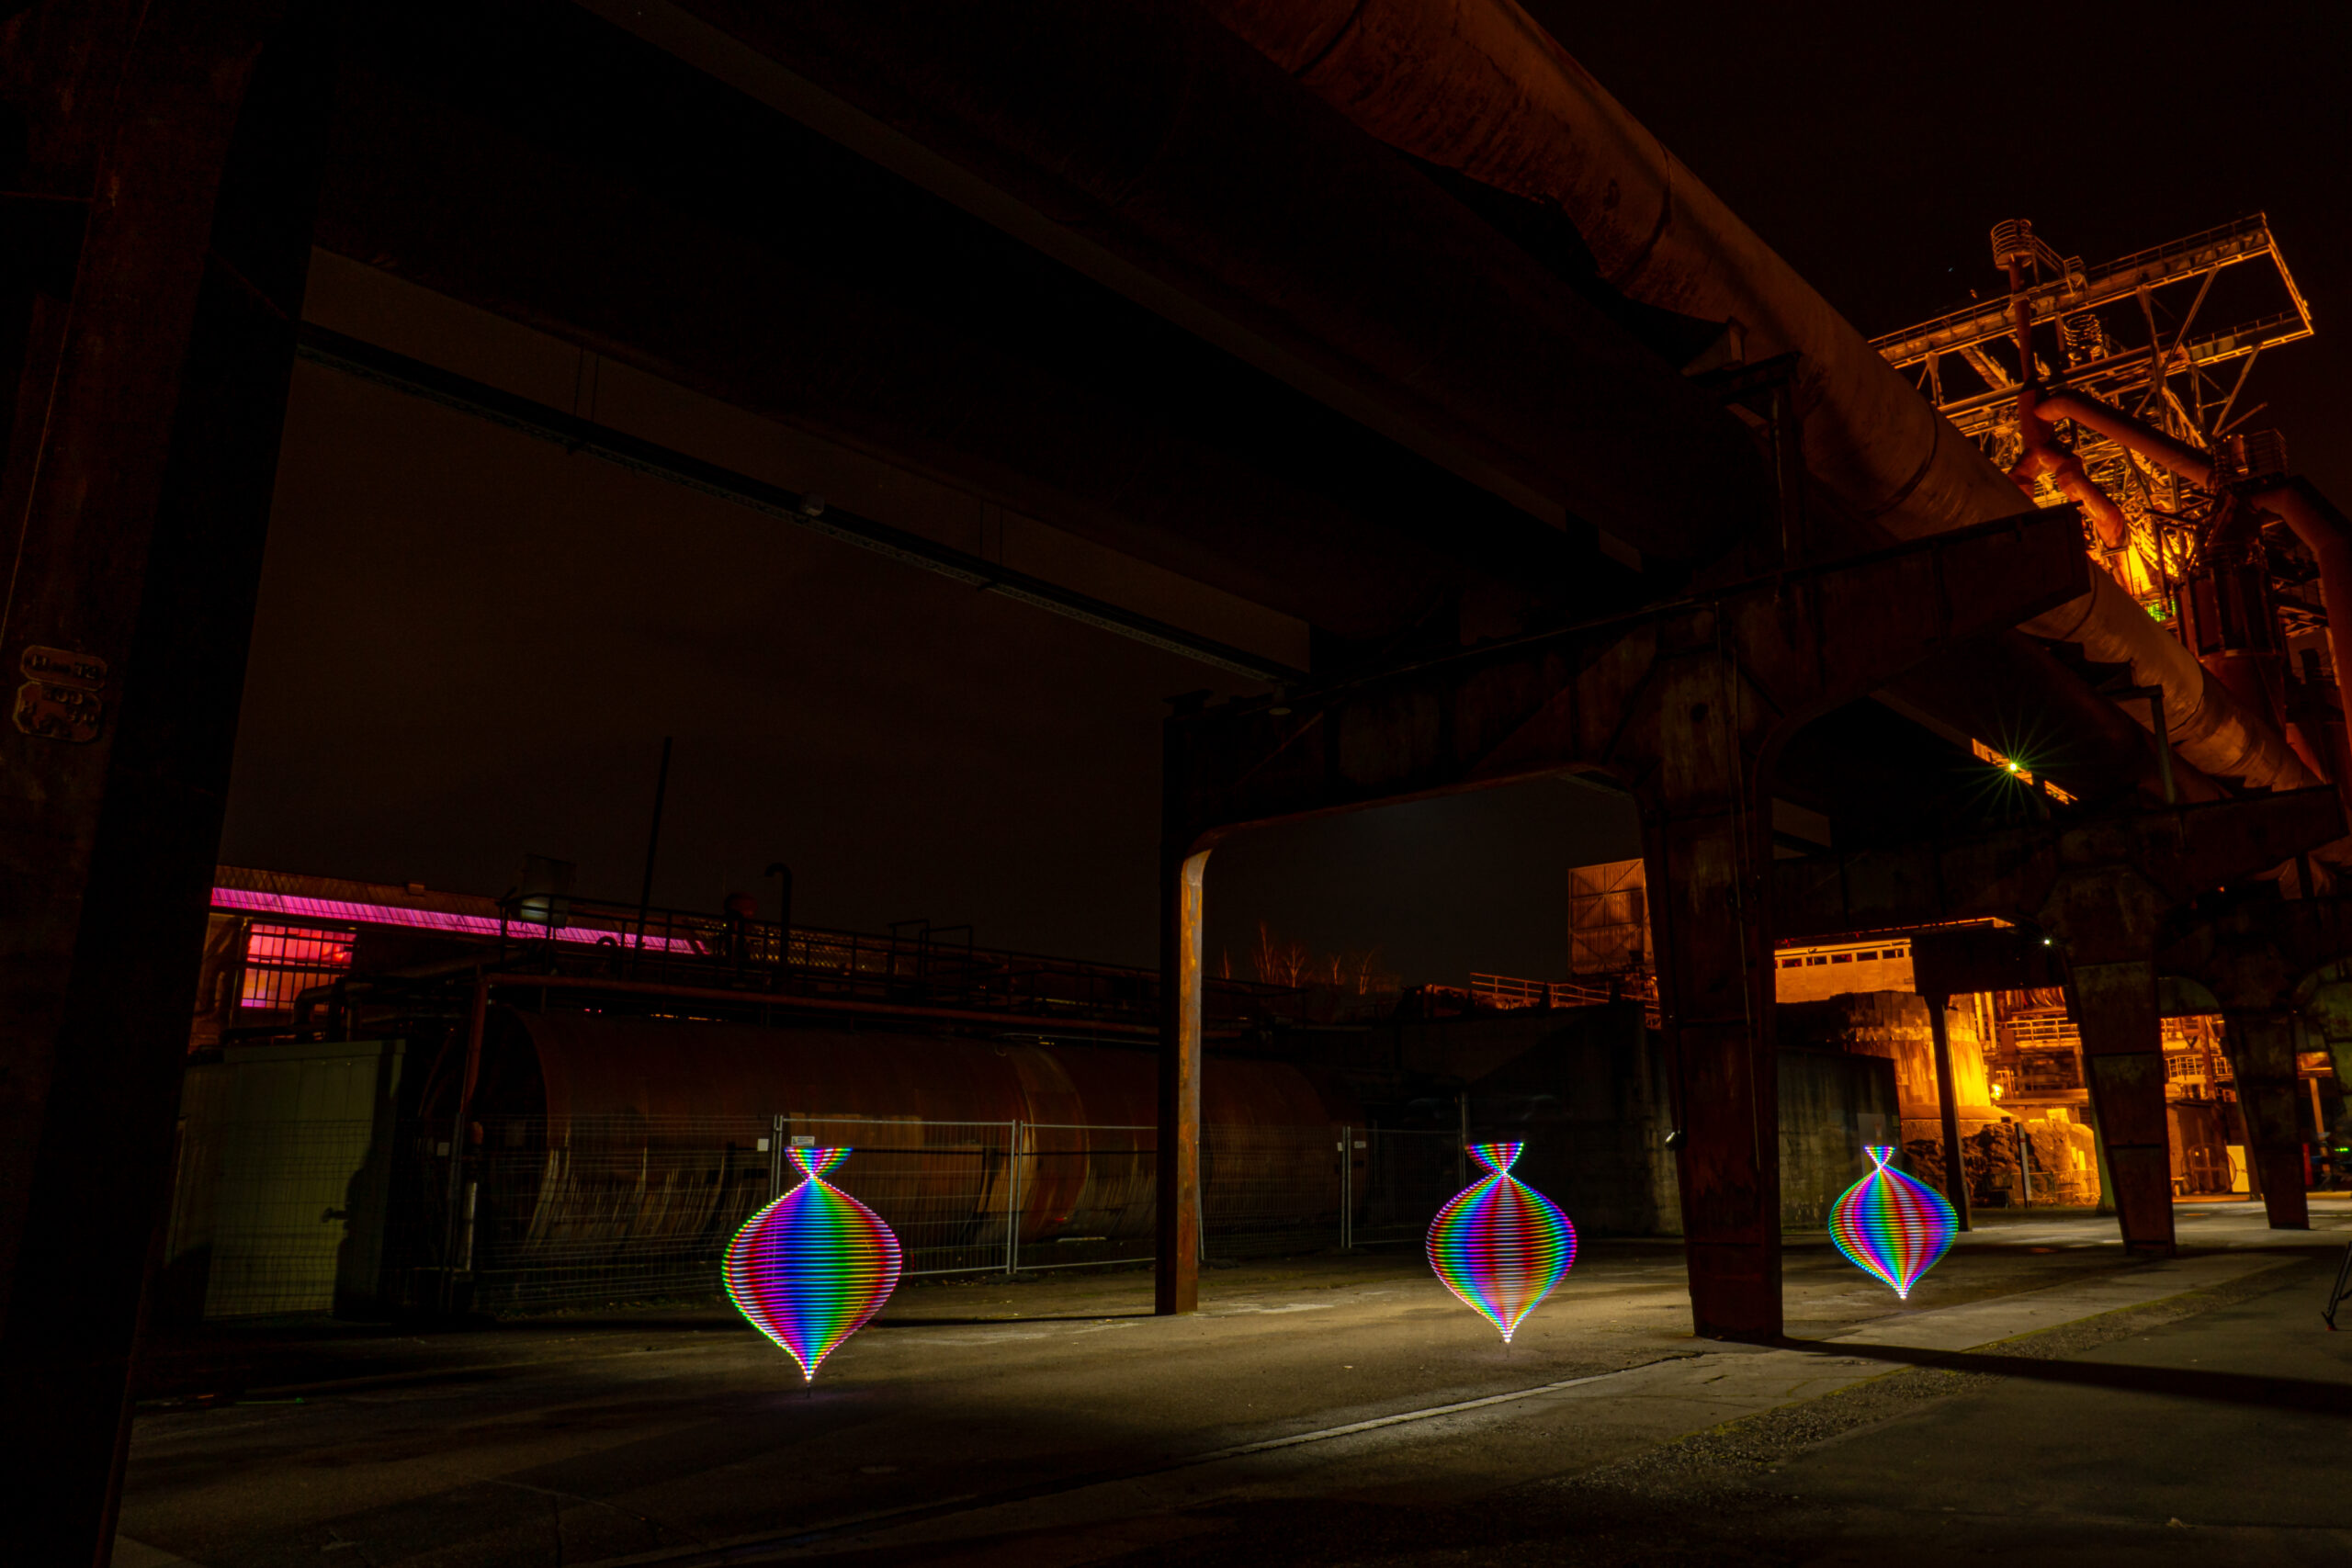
[1586, 1090]
[1833, 1103]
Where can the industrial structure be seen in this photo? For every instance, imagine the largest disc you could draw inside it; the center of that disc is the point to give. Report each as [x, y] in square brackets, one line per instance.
[407, 1103]
[1381, 315]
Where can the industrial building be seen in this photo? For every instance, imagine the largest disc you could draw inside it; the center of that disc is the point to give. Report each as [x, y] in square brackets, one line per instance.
[1978, 685]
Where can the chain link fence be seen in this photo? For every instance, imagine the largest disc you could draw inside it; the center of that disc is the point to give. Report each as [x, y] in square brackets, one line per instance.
[279, 1217]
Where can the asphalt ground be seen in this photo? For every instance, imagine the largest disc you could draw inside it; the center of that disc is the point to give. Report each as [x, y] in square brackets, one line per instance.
[2039, 1389]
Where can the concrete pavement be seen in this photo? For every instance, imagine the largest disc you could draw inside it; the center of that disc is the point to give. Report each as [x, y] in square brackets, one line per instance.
[1341, 1409]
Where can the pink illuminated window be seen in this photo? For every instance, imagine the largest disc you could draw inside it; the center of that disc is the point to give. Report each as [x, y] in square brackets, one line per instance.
[282, 962]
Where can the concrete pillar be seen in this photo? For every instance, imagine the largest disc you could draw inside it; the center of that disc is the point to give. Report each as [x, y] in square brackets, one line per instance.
[2261, 1046]
[1713, 950]
[141, 462]
[2123, 1061]
[2106, 916]
[1176, 1286]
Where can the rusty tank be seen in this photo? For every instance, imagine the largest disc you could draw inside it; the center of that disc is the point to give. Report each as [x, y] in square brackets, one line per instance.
[641, 1142]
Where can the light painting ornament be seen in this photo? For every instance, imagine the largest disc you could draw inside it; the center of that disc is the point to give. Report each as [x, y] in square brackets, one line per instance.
[1501, 1244]
[814, 1266]
[1891, 1225]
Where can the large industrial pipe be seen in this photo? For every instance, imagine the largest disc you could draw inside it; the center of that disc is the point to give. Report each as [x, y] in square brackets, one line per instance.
[1477, 86]
[2138, 435]
[2045, 458]
[2205, 723]
[2324, 530]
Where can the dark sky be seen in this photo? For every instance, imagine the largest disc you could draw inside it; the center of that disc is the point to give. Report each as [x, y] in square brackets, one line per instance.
[1874, 147]
[469, 646]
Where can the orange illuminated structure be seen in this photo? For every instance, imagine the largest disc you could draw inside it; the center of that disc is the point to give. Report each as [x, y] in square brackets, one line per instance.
[2123, 389]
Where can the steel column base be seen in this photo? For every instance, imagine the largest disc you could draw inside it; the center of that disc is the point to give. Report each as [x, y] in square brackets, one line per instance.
[2261, 1047]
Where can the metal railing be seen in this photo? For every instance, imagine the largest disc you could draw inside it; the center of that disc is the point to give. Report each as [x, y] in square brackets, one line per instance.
[1508, 992]
[916, 964]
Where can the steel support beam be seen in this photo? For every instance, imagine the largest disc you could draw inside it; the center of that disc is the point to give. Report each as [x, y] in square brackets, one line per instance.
[1141, 133]
[1700, 859]
[1176, 1286]
[2261, 1046]
[2105, 918]
[722, 248]
[1685, 705]
[145, 497]
[413, 377]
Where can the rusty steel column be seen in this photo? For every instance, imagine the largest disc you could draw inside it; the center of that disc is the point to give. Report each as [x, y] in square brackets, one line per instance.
[1948, 1102]
[1176, 1283]
[2252, 953]
[1703, 837]
[2261, 1046]
[2123, 1057]
[138, 498]
[2105, 918]
[2114, 992]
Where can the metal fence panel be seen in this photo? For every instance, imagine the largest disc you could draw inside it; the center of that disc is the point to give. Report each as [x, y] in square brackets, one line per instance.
[608, 1210]
[282, 1214]
[1406, 1177]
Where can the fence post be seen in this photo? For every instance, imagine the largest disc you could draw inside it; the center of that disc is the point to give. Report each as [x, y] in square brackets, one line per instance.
[775, 1161]
[1012, 1201]
[1201, 1203]
[1346, 1170]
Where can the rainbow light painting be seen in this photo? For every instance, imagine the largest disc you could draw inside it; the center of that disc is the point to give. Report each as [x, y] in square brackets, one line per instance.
[1499, 1244]
[1891, 1225]
[814, 1266]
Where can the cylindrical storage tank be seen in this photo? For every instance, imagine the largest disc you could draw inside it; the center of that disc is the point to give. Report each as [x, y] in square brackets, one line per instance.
[615, 1154]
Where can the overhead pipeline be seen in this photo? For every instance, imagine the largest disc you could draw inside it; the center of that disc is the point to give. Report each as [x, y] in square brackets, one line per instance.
[1479, 87]
[2324, 529]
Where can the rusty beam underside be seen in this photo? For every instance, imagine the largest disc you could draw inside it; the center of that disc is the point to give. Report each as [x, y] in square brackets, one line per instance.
[1565, 701]
[412, 378]
[2008, 875]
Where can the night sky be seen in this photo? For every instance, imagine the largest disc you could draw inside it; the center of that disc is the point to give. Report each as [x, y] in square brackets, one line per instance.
[471, 646]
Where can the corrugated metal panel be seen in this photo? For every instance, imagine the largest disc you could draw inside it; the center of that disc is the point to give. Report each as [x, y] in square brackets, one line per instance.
[1608, 927]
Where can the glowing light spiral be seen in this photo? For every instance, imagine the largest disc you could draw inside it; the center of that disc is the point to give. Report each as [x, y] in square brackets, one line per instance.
[1891, 1225]
[1501, 1244]
[814, 1266]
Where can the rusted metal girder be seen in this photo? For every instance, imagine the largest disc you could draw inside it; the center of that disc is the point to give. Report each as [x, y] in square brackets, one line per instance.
[2102, 890]
[1151, 148]
[2254, 952]
[893, 362]
[142, 465]
[1687, 706]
